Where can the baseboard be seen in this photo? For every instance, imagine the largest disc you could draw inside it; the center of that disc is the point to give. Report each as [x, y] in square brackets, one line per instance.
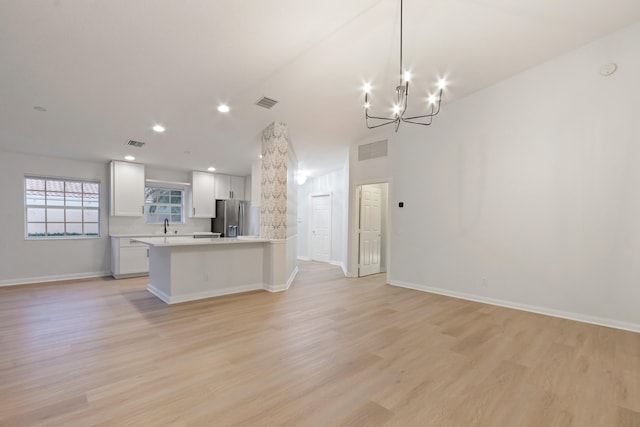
[304, 258]
[201, 295]
[129, 276]
[341, 265]
[55, 278]
[283, 287]
[578, 317]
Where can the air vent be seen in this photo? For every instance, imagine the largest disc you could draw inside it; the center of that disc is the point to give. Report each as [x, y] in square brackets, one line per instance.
[136, 144]
[266, 102]
[372, 150]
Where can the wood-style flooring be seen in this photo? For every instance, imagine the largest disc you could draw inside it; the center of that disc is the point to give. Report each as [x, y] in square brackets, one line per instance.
[330, 351]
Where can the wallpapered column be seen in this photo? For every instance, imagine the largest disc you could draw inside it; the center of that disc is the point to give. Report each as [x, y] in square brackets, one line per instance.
[275, 156]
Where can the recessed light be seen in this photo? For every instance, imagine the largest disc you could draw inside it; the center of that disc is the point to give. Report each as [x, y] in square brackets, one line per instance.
[260, 156]
[158, 128]
[130, 158]
[211, 168]
[223, 108]
[40, 108]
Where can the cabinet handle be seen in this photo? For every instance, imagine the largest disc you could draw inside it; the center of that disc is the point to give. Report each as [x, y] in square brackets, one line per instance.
[194, 211]
[142, 209]
[147, 253]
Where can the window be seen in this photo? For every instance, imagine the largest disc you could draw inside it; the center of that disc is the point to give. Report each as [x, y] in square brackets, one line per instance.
[163, 203]
[61, 208]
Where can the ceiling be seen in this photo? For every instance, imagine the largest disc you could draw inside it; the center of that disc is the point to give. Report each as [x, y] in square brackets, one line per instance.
[108, 70]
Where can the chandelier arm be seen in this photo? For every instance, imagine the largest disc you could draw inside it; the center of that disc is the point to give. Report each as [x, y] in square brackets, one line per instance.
[425, 123]
[380, 118]
[417, 123]
[380, 125]
[430, 114]
[422, 116]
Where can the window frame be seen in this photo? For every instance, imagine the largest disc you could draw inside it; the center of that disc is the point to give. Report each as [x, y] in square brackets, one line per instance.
[165, 187]
[64, 207]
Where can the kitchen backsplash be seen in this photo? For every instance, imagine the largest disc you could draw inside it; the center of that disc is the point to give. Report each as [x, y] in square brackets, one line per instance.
[135, 225]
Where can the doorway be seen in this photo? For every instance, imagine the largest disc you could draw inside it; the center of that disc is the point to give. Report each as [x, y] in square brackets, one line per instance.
[372, 226]
[320, 228]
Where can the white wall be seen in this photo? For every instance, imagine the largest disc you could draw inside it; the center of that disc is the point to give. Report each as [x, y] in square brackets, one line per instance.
[132, 225]
[528, 193]
[334, 183]
[25, 261]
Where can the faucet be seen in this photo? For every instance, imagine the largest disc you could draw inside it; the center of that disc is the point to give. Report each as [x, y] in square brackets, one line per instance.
[166, 224]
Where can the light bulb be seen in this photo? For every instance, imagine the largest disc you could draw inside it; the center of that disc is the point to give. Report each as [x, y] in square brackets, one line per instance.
[158, 128]
[223, 108]
[396, 109]
[367, 105]
[129, 157]
[442, 83]
[211, 169]
[407, 76]
[367, 88]
[432, 99]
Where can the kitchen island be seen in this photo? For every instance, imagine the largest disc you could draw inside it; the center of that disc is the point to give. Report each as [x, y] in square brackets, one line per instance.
[185, 269]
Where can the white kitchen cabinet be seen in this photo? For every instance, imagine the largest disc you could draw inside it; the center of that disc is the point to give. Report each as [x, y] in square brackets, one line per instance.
[237, 187]
[229, 187]
[127, 189]
[128, 258]
[256, 183]
[223, 187]
[203, 203]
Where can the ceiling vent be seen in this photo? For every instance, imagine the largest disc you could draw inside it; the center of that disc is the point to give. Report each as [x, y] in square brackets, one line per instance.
[265, 102]
[372, 150]
[136, 144]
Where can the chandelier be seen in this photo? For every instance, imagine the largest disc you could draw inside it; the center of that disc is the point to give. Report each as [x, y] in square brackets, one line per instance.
[402, 99]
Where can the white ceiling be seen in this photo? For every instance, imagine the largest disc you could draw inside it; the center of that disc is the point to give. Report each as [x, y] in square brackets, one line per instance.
[108, 70]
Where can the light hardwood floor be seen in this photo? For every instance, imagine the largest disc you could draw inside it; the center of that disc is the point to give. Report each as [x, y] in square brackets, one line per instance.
[330, 351]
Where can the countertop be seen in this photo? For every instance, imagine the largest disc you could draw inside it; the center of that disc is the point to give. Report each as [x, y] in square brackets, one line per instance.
[152, 235]
[190, 241]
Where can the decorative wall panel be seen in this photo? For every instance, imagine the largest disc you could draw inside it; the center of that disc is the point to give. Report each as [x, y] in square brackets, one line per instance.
[275, 159]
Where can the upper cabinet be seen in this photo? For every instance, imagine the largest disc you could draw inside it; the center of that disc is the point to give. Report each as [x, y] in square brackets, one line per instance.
[127, 189]
[203, 203]
[229, 187]
[237, 187]
[256, 183]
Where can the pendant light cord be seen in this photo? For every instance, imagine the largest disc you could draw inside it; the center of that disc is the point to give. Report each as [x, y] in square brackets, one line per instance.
[401, 75]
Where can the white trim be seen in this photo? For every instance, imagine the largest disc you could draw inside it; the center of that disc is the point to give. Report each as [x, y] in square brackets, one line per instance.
[304, 258]
[585, 318]
[55, 278]
[284, 287]
[129, 275]
[202, 295]
[341, 265]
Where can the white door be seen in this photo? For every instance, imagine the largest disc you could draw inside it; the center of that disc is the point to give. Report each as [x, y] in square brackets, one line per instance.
[370, 229]
[321, 228]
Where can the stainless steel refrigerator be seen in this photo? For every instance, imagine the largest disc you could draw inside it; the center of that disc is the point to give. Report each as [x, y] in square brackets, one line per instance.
[232, 218]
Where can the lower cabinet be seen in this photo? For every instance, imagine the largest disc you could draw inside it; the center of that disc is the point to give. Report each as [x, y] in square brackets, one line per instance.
[128, 258]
